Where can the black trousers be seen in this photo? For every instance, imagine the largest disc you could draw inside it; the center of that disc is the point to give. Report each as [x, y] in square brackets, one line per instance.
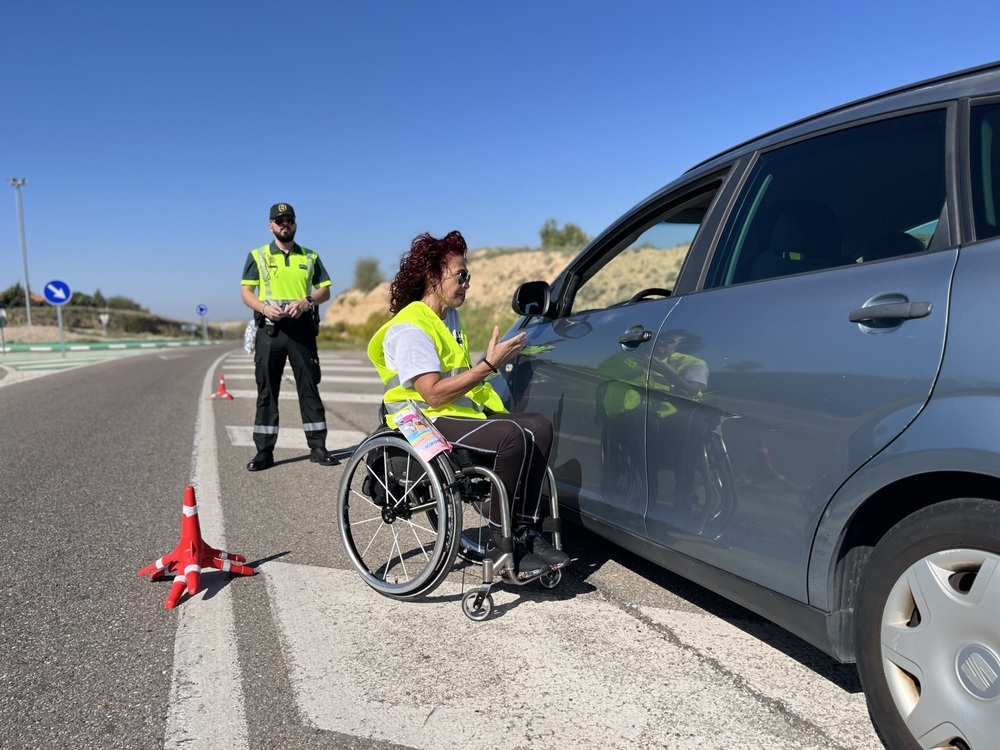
[519, 445]
[294, 341]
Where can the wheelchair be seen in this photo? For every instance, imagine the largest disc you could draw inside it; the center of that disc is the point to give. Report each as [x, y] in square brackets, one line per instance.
[405, 520]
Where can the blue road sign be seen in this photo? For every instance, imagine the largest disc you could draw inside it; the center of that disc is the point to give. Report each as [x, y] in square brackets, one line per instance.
[57, 293]
[202, 309]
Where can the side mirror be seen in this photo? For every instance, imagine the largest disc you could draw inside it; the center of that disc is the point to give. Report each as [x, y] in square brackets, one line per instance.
[532, 298]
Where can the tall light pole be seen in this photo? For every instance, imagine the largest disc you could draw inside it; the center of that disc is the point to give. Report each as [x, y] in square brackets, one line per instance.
[24, 253]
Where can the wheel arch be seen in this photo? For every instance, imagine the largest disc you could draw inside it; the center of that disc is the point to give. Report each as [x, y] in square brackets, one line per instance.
[872, 518]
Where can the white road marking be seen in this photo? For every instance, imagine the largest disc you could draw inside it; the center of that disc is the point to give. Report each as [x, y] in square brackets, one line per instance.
[324, 359]
[206, 705]
[326, 378]
[328, 397]
[294, 439]
[326, 366]
[422, 675]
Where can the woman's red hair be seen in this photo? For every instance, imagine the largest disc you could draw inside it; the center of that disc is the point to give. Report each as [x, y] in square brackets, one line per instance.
[424, 261]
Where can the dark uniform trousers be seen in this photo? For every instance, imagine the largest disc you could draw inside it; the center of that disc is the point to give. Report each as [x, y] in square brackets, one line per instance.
[294, 341]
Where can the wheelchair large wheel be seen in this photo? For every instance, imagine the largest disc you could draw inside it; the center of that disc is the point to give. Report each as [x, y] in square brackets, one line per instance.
[398, 518]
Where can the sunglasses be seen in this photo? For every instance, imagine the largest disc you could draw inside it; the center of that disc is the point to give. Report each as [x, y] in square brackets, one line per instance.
[462, 276]
[284, 221]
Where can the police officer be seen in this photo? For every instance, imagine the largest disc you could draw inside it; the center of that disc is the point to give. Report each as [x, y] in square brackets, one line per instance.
[278, 280]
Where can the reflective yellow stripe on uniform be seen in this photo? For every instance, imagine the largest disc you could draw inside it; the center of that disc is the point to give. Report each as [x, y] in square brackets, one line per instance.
[286, 286]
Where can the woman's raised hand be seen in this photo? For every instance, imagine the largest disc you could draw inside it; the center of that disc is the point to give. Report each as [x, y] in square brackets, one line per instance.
[502, 352]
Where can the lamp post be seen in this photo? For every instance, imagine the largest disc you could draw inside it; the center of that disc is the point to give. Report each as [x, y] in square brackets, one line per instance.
[24, 253]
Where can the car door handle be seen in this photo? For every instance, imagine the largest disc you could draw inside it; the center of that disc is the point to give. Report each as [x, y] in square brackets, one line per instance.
[637, 336]
[893, 310]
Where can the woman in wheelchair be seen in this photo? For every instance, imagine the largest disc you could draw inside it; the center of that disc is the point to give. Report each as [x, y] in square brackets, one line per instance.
[422, 354]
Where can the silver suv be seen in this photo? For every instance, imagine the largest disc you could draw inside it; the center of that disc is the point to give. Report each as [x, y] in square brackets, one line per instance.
[779, 376]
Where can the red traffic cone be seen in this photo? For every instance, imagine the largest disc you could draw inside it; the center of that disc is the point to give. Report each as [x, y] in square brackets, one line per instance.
[191, 555]
[222, 392]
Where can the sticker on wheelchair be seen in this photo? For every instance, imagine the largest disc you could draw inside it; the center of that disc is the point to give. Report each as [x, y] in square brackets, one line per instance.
[419, 431]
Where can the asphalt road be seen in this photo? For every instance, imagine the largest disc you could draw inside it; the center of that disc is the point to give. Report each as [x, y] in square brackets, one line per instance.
[94, 462]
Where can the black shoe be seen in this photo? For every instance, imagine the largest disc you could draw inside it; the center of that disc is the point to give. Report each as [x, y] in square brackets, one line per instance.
[321, 457]
[539, 546]
[526, 564]
[263, 460]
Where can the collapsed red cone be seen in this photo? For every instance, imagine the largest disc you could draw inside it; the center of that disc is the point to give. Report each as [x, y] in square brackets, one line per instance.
[222, 392]
[192, 554]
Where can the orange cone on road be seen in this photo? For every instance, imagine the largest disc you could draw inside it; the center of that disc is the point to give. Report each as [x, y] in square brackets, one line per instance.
[188, 558]
[222, 392]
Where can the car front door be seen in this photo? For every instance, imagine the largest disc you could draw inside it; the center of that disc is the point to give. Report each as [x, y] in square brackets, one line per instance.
[587, 368]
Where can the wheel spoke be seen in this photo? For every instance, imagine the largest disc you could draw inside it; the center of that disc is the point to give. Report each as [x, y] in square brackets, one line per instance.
[985, 591]
[902, 646]
[928, 584]
[396, 518]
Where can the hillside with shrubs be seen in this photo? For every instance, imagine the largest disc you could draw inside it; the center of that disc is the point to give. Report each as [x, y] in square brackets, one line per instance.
[354, 315]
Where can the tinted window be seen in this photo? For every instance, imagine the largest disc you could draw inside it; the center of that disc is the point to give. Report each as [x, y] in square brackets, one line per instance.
[985, 155]
[866, 193]
[647, 258]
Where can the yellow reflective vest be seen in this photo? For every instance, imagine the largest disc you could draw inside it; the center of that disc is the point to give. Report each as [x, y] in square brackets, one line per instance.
[454, 357]
[284, 278]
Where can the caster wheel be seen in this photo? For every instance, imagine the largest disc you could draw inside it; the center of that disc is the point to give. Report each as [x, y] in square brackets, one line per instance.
[551, 579]
[477, 613]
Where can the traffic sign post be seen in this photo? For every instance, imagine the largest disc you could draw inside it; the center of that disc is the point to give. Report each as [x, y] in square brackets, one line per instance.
[202, 311]
[3, 324]
[58, 293]
[104, 318]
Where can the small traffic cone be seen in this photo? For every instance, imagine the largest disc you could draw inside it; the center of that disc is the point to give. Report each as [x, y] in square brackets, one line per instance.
[191, 555]
[222, 392]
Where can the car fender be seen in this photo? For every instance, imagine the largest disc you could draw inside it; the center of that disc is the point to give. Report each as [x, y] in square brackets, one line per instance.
[956, 435]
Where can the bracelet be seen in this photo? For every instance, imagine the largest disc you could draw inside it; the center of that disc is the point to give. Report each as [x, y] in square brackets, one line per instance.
[489, 364]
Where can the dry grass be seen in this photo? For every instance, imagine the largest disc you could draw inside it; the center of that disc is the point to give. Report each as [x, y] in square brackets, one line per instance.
[497, 272]
[36, 334]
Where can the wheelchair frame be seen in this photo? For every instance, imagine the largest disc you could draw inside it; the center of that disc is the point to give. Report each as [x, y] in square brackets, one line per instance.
[402, 523]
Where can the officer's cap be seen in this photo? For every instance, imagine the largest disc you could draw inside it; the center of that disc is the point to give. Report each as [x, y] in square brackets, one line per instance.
[282, 209]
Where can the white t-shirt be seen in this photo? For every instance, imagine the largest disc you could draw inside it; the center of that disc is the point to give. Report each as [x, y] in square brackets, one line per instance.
[410, 351]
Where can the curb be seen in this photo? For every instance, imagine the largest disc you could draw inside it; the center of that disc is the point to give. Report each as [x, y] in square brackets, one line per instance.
[73, 347]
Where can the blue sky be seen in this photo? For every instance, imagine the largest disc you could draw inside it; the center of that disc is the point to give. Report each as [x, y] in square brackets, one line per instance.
[154, 136]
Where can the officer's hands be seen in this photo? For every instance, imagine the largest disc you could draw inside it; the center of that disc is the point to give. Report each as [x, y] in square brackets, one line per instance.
[298, 308]
[275, 313]
[291, 310]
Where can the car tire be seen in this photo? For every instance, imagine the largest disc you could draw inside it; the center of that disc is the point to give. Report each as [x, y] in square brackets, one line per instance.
[927, 639]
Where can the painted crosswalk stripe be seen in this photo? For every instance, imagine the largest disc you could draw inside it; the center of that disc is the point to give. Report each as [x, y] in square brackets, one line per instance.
[294, 439]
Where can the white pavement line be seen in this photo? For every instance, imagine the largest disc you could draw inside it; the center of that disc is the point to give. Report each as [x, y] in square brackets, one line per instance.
[206, 708]
[324, 360]
[327, 379]
[371, 667]
[327, 396]
[294, 439]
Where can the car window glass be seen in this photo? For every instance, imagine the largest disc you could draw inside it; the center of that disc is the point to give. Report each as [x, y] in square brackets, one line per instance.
[985, 158]
[649, 259]
[852, 196]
